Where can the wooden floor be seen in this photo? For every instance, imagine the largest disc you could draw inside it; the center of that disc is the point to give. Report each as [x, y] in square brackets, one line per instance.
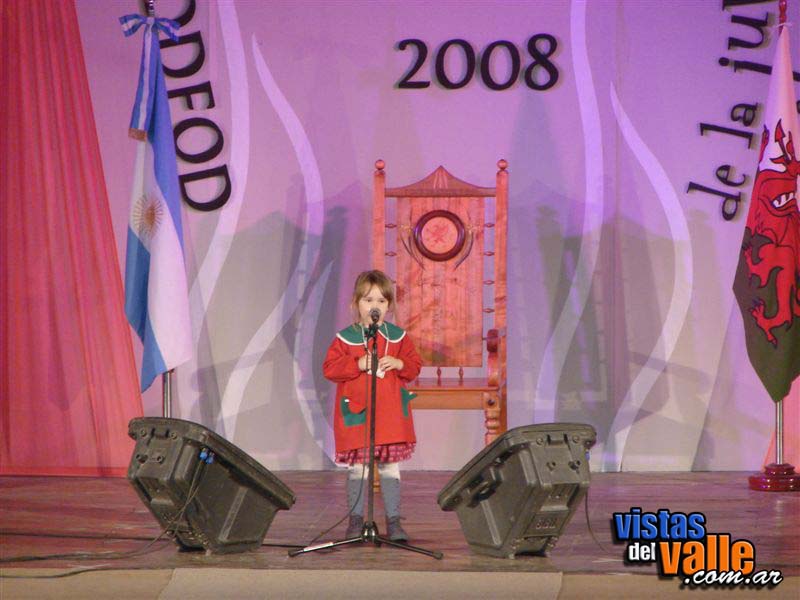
[45, 515]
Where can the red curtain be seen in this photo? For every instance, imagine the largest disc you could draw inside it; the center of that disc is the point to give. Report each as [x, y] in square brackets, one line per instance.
[67, 372]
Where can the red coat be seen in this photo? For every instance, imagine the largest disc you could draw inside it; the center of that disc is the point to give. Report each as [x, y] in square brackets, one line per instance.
[393, 421]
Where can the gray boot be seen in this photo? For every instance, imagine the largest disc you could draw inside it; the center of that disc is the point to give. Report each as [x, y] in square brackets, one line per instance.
[354, 527]
[390, 488]
[395, 531]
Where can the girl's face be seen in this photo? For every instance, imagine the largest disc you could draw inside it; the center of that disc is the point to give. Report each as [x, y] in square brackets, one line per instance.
[372, 299]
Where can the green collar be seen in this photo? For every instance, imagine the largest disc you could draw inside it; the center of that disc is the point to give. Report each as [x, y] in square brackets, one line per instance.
[354, 335]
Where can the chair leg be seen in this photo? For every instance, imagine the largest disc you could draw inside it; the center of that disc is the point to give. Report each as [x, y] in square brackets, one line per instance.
[491, 411]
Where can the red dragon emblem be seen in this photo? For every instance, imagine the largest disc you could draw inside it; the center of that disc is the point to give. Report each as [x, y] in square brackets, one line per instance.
[776, 218]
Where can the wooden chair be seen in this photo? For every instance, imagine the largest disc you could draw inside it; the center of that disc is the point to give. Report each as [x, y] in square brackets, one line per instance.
[435, 240]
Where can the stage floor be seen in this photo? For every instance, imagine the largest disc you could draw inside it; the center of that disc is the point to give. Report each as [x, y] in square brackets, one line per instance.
[45, 515]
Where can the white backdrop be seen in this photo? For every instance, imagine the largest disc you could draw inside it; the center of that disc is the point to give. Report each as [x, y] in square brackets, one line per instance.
[621, 313]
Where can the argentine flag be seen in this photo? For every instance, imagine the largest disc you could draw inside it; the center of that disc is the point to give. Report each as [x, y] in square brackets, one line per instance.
[156, 296]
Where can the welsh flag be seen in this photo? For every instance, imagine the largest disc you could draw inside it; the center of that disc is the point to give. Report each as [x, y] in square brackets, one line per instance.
[766, 284]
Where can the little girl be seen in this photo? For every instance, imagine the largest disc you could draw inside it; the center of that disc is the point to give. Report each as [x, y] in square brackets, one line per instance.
[347, 363]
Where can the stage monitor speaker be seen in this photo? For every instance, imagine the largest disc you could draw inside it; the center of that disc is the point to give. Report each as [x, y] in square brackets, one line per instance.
[518, 493]
[223, 500]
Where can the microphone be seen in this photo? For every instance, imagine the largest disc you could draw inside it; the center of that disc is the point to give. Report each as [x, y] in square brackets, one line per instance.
[375, 314]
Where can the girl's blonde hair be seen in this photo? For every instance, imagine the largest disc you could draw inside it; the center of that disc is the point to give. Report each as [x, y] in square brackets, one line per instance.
[364, 283]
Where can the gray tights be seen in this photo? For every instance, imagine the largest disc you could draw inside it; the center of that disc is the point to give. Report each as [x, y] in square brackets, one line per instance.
[390, 488]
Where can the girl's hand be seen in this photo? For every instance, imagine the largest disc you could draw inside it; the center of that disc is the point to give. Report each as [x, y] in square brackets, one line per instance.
[363, 362]
[388, 363]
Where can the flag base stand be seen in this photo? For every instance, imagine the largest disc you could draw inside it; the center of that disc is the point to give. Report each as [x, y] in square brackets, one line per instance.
[776, 478]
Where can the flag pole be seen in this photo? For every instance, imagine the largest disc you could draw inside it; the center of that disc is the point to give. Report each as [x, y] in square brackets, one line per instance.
[166, 378]
[779, 432]
[779, 403]
[166, 393]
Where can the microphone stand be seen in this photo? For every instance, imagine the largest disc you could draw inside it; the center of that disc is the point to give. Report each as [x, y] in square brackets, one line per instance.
[370, 533]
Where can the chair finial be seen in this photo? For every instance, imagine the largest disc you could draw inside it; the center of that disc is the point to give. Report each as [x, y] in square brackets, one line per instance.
[379, 164]
[502, 164]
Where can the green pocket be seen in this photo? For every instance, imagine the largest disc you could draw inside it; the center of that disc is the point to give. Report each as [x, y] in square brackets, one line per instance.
[351, 418]
[406, 397]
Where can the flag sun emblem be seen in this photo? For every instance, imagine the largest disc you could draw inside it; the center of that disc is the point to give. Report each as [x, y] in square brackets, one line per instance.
[147, 215]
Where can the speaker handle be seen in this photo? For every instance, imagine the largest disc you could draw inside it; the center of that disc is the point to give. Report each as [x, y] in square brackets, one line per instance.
[485, 487]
